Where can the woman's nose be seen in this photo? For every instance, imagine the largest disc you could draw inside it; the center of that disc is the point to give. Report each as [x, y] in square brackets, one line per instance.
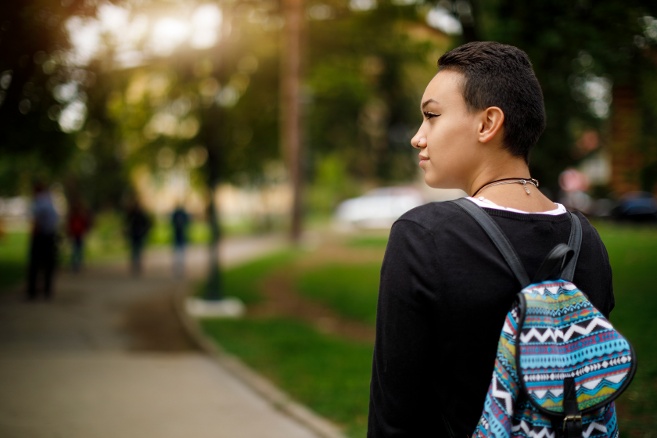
[418, 141]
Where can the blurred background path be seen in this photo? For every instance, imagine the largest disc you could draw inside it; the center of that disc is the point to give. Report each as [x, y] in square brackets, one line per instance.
[108, 357]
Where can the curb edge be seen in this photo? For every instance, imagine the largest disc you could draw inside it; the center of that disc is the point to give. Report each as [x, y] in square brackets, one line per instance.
[263, 387]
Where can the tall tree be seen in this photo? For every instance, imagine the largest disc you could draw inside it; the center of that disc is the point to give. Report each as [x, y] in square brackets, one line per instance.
[291, 107]
[366, 72]
[97, 171]
[220, 100]
[33, 87]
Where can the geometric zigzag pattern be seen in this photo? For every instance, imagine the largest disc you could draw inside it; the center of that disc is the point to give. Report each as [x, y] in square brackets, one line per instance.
[563, 335]
[551, 333]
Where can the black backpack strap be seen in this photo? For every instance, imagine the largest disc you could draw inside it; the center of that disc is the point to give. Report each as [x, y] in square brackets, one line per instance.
[575, 243]
[554, 264]
[498, 237]
[559, 263]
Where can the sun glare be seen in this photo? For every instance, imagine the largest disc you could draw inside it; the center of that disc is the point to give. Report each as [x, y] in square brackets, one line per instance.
[168, 33]
[138, 35]
[134, 37]
[206, 22]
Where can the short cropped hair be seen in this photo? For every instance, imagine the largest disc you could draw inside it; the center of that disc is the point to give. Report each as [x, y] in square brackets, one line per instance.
[501, 75]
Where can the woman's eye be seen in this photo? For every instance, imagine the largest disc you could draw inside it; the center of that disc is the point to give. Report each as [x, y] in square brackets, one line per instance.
[429, 115]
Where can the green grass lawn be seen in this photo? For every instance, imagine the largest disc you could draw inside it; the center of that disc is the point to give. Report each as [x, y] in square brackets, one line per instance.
[13, 258]
[633, 255]
[331, 374]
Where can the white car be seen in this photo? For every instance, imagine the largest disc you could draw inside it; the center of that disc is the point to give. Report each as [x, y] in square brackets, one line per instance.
[378, 208]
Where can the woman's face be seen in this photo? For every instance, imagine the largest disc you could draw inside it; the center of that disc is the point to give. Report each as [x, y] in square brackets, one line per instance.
[447, 137]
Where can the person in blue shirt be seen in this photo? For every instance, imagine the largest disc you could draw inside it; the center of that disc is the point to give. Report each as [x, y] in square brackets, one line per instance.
[43, 244]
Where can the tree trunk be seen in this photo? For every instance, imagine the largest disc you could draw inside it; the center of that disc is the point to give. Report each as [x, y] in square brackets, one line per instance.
[291, 109]
[626, 159]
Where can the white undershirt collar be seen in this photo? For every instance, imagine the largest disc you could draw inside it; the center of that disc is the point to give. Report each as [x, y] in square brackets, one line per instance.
[483, 202]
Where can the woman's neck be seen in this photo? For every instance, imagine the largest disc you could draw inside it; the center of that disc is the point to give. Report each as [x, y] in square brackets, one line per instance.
[508, 182]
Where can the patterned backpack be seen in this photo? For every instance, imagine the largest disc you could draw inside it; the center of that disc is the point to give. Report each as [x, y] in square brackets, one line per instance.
[560, 363]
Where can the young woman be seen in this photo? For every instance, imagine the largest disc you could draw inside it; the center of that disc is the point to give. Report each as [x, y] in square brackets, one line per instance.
[445, 289]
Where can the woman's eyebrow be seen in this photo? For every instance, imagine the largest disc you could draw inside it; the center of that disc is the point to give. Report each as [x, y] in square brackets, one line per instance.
[427, 102]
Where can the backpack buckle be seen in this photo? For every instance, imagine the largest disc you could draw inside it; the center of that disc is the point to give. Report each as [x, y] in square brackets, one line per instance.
[572, 426]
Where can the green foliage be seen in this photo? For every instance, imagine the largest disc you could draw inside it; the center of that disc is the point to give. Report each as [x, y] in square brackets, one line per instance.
[99, 171]
[106, 238]
[213, 114]
[331, 185]
[328, 374]
[570, 43]
[364, 99]
[33, 39]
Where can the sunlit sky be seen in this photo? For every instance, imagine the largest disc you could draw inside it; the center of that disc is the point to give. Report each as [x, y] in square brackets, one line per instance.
[133, 37]
[136, 35]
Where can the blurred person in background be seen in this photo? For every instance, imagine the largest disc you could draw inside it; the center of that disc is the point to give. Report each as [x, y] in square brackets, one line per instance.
[137, 227]
[43, 244]
[445, 289]
[78, 223]
[180, 224]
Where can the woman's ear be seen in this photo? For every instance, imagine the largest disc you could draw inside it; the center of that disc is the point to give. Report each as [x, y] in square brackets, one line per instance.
[490, 125]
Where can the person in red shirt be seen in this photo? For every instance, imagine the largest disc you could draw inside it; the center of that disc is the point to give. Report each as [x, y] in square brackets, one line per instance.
[77, 226]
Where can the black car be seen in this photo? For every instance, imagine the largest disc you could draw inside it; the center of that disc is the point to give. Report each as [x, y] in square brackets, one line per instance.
[636, 207]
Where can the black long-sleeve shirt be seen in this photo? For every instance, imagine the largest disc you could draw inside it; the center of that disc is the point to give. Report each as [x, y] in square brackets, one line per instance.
[444, 292]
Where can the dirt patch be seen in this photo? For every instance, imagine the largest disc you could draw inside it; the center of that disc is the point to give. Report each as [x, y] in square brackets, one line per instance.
[153, 325]
[282, 299]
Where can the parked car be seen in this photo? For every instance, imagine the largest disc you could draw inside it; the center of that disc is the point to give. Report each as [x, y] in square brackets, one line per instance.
[636, 207]
[378, 208]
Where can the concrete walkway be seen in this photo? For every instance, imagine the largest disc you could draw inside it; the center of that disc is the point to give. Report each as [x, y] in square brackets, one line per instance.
[109, 357]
